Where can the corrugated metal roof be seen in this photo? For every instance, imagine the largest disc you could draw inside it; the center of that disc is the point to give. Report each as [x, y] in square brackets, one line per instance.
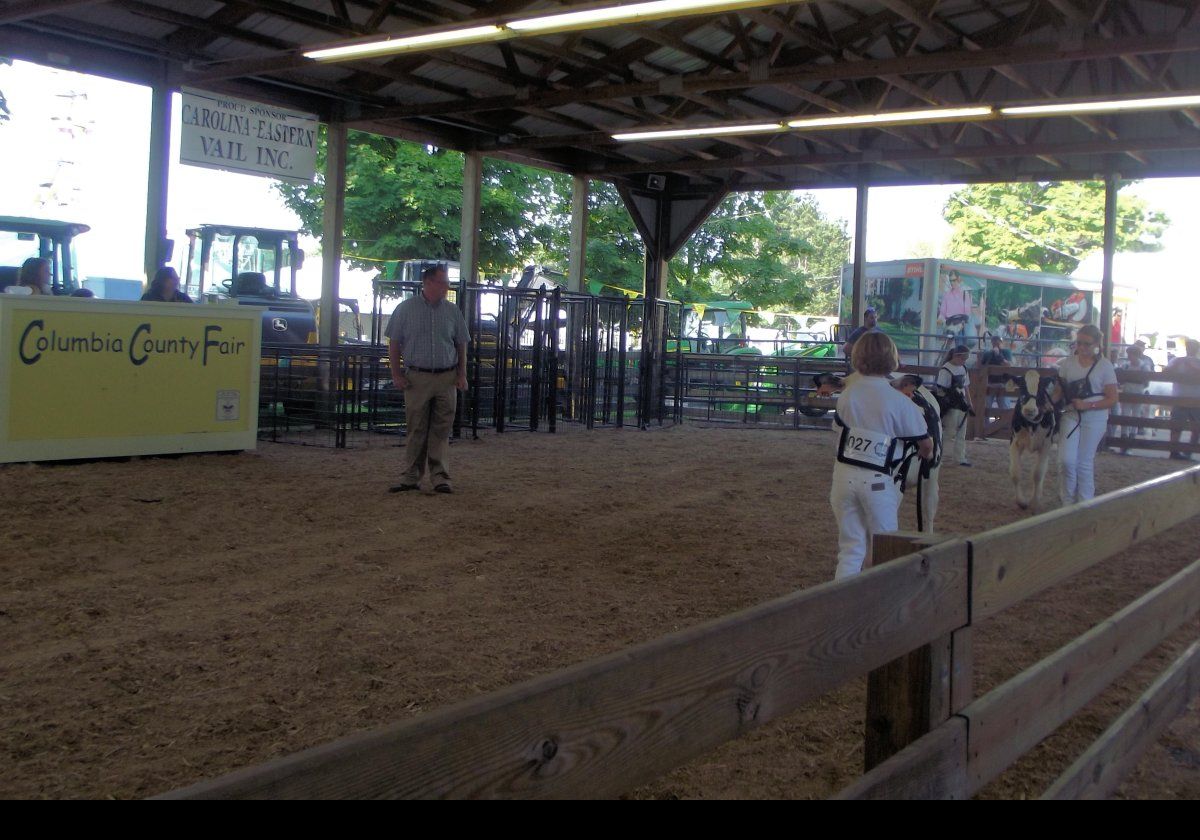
[660, 73]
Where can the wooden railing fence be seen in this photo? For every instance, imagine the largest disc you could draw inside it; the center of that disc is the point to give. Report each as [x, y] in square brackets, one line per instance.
[602, 728]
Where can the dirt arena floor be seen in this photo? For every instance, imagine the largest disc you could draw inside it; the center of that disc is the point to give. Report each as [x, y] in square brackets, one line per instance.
[169, 620]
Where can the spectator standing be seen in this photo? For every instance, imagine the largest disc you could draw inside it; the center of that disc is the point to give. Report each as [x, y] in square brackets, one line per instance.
[1189, 366]
[997, 356]
[1135, 360]
[870, 324]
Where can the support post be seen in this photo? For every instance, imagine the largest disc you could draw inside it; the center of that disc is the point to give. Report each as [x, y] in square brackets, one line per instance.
[1111, 185]
[976, 426]
[468, 254]
[656, 274]
[157, 178]
[911, 695]
[858, 282]
[331, 230]
[577, 259]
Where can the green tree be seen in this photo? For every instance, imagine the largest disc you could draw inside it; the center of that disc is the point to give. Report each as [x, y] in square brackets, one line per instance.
[404, 201]
[615, 254]
[1046, 226]
[775, 250]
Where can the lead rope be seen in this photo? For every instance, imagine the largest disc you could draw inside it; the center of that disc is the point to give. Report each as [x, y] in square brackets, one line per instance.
[920, 510]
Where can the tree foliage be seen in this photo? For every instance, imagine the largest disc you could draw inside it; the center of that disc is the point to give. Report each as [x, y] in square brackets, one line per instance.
[404, 201]
[774, 250]
[1048, 226]
[615, 254]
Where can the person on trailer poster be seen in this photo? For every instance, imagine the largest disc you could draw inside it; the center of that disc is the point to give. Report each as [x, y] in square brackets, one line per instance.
[961, 299]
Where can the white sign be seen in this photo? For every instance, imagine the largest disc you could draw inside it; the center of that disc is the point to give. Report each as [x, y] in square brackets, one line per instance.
[222, 132]
[229, 405]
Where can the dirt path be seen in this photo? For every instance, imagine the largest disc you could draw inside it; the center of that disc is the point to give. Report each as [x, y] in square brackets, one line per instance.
[168, 620]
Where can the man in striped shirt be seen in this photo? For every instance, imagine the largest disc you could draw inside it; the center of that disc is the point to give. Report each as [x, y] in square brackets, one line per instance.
[427, 352]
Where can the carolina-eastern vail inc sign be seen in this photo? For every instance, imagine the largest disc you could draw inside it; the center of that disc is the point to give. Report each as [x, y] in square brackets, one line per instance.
[223, 132]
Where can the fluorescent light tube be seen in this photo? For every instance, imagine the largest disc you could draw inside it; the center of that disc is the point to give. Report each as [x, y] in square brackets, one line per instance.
[629, 13]
[391, 46]
[893, 118]
[594, 18]
[711, 131]
[1157, 103]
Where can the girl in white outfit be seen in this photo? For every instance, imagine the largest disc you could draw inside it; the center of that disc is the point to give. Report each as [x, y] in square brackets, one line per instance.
[952, 377]
[1091, 390]
[874, 419]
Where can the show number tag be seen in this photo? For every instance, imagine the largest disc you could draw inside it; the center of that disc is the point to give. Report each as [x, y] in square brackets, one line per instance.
[866, 449]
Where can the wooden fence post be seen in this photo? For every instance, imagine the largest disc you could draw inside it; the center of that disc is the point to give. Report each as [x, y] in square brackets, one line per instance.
[911, 695]
[979, 399]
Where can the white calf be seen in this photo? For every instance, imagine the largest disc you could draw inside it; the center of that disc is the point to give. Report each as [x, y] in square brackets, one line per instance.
[1035, 425]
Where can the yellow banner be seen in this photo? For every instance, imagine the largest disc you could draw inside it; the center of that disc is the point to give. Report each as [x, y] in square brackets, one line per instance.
[141, 371]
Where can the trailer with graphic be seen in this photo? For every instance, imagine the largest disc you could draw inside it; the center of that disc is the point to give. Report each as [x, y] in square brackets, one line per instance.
[925, 304]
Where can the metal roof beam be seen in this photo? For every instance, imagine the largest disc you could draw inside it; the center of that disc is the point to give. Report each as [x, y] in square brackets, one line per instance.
[985, 152]
[938, 62]
[30, 9]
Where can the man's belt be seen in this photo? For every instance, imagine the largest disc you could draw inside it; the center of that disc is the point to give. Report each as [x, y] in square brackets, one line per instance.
[430, 370]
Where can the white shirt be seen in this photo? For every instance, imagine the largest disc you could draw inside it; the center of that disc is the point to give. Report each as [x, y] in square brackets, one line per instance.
[1185, 364]
[1102, 374]
[870, 402]
[948, 372]
[1143, 364]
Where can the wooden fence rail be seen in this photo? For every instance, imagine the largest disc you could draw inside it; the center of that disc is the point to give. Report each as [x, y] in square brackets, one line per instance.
[603, 727]
[1015, 561]
[987, 736]
[1099, 771]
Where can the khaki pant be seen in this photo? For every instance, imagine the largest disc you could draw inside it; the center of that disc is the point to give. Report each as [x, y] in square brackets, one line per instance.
[429, 403]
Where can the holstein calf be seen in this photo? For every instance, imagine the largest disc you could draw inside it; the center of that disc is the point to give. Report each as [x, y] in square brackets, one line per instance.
[1035, 424]
[912, 471]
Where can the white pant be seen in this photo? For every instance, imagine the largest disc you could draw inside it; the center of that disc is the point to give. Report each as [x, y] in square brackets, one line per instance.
[865, 503]
[954, 430]
[1077, 454]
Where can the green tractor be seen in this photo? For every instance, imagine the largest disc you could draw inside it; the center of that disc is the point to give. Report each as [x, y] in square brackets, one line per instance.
[22, 238]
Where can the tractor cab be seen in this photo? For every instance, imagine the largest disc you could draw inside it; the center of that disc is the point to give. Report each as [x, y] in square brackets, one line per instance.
[538, 277]
[254, 267]
[22, 238]
[232, 262]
